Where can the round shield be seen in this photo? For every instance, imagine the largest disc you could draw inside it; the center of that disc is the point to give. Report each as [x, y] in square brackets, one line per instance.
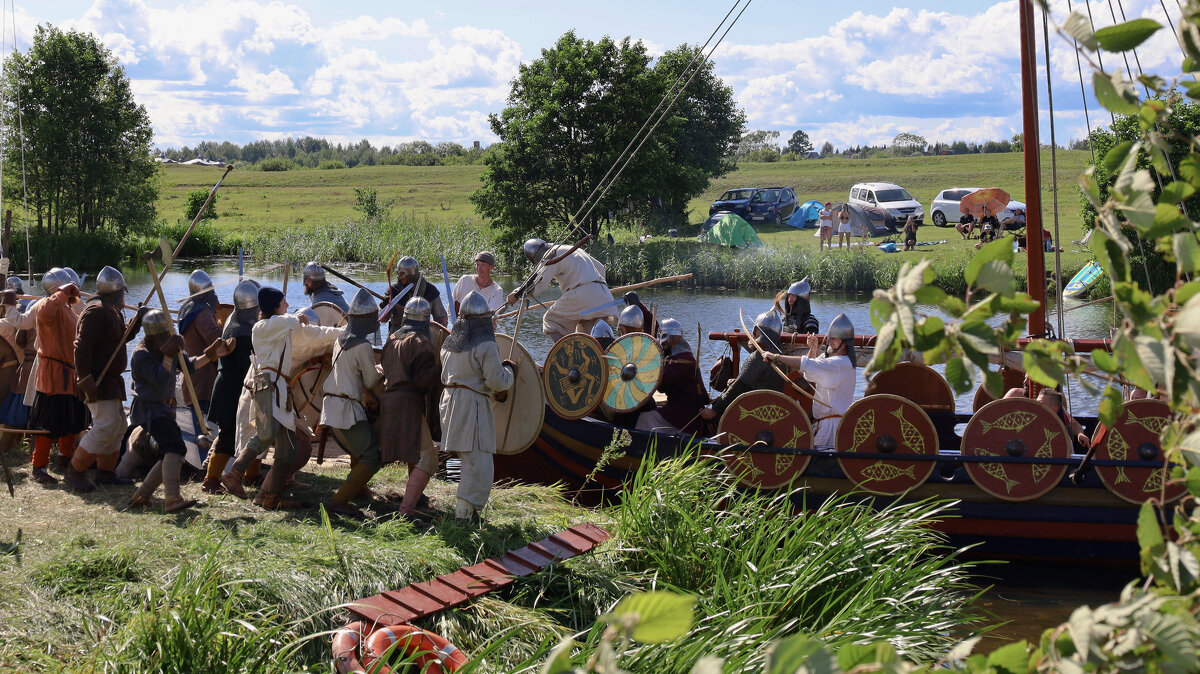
[1013, 378]
[1135, 437]
[574, 376]
[886, 424]
[634, 369]
[1016, 427]
[917, 382]
[770, 419]
[223, 313]
[307, 389]
[331, 315]
[519, 418]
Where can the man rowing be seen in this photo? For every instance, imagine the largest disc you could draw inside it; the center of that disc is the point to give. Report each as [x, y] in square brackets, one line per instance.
[831, 374]
[681, 383]
[755, 374]
[583, 284]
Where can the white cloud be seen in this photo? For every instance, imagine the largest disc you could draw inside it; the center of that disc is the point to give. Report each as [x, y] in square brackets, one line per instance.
[260, 86]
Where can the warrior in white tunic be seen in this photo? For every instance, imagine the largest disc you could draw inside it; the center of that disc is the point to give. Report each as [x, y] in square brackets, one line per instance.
[581, 278]
[472, 372]
[832, 375]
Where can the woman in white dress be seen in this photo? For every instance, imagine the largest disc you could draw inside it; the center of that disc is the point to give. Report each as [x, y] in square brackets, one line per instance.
[843, 226]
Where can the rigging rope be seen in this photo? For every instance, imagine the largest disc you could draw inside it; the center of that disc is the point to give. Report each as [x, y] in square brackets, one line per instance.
[1058, 286]
[1082, 91]
[21, 131]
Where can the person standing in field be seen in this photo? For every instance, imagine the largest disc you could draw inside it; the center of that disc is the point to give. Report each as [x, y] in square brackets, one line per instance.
[481, 282]
[825, 216]
[843, 226]
[910, 233]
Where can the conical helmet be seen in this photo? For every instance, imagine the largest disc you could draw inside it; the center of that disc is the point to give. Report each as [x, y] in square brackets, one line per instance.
[14, 283]
[841, 327]
[535, 249]
[631, 317]
[670, 328]
[245, 295]
[769, 320]
[74, 276]
[156, 322]
[313, 271]
[199, 282]
[417, 309]
[473, 305]
[54, 278]
[800, 288]
[363, 304]
[602, 329]
[408, 264]
[109, 280]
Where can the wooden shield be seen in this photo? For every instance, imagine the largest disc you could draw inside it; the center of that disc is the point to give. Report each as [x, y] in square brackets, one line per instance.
[307, 389]
[575, 376]
[1013, 378]
[916, 382]
[223, 313]
[1135, 437]
[1016, 427]
[634, 369]
[886, 424]
[775, 420]
[519, 418]
[331, 315]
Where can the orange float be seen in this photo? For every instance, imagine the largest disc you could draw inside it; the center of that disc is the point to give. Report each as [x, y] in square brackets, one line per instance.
[433, 653]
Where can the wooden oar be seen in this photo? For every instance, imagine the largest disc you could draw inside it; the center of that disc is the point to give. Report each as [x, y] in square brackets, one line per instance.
[620, 289]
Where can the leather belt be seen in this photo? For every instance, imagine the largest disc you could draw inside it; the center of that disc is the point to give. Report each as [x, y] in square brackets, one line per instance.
[580, 285]
[468, 388]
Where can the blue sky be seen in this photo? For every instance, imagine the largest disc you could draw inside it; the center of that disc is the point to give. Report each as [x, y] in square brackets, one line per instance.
[849, 73]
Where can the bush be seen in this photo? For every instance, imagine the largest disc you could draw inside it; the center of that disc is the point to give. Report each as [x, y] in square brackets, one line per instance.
[194, 200]
[276, 164]
[366, 201]
[331, 164]
[762, 155]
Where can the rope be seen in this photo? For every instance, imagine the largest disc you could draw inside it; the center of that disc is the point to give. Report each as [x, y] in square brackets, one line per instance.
[1082, 91]
[1099, 55]
[1058, 286]
[21, 131]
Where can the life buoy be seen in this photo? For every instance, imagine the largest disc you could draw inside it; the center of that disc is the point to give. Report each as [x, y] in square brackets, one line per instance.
[434, 653]
[346, 642]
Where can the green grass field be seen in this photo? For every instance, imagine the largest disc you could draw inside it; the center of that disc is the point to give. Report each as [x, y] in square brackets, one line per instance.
[251, 201]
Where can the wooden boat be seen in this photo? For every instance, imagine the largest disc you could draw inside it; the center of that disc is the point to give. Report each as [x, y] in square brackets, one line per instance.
[1008, 464]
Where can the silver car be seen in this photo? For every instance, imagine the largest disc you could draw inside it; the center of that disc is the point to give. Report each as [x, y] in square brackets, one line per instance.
[944, 208]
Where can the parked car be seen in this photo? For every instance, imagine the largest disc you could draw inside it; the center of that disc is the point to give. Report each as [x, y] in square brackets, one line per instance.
[943, 210]
[735, 201]
[773, 204]
[891, 198]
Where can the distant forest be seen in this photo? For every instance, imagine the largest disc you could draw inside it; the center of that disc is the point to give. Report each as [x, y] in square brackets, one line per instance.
[309, 152]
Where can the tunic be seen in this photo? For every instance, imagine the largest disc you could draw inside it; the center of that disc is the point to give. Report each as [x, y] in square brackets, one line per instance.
[467, 422]
[231, 371]
[581, 278]
[199, 329]
[332, 294]
[153, 386]
[98, 338]
[684, 388]
[273, 352]
[27, 322]
[494, 294]
[412, 383]
[353, 370]
[56, 325]
[756, 374]
[833, 379]
[424, 289]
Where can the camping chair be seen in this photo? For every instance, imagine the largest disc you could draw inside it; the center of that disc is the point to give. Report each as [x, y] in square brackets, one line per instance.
[1083, 243]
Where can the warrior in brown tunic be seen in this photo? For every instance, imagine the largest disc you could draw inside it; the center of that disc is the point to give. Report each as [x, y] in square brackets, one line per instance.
[408, 420]
[199, 328]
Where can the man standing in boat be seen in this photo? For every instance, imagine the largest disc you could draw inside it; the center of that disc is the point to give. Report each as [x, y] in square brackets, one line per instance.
[199, 328]
[797, 314]
[832, 375]
[319, 289]
[681, 383]
[472, 373]
[755, 374]
[481, 281]
[408, 272]
[101, 336]
[583, 284]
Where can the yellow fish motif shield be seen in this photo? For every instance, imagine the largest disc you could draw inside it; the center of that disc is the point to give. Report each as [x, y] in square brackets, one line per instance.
[891, 425]
[765, 420]
[633, 371]
[1136, 431]
[1018, 428]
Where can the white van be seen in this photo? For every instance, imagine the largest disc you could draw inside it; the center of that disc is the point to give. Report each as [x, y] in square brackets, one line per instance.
[891, 198]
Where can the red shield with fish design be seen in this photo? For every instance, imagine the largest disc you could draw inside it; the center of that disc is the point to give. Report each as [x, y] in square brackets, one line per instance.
[766, 419]
[1135, 437]
[1017, 428]
[887, 424]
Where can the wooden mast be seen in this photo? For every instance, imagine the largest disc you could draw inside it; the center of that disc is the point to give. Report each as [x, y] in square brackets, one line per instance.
[1036, 262]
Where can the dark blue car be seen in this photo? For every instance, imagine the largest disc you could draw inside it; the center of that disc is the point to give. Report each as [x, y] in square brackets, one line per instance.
[735, 201]
[772, 205]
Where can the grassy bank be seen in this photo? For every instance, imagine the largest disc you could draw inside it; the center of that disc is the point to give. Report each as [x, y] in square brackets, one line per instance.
[87, 587]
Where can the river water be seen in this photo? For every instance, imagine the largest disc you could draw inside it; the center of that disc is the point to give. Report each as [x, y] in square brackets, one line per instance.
[1025, 600]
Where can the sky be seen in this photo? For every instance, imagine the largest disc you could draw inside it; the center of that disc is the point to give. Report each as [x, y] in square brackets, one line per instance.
[392, 71]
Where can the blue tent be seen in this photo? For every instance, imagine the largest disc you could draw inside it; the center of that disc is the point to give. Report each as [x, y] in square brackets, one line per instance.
[806, 215]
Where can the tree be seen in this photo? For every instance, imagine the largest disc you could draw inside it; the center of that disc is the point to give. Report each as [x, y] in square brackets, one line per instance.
[799, 143]
[194, 200]
[827, 149]
[906, 143]
[86, 141]
[1018, 142]
[572, 111]
[758, 139]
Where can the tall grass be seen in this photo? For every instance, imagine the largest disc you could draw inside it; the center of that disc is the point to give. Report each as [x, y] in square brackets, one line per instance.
[763, 570]
[93, 250]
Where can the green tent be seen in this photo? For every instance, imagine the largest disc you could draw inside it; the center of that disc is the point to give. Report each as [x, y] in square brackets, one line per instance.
[731, 230]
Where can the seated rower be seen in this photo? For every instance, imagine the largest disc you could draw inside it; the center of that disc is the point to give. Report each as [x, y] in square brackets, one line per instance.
[603, 333]
[793, 305]
[681, 383]
[832, 375]
[630, 321]
[755, 374]
[1052, 399]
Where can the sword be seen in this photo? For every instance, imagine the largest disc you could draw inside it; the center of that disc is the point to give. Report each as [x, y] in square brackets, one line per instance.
[391, 305]
[602, 307]
[449, 294]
